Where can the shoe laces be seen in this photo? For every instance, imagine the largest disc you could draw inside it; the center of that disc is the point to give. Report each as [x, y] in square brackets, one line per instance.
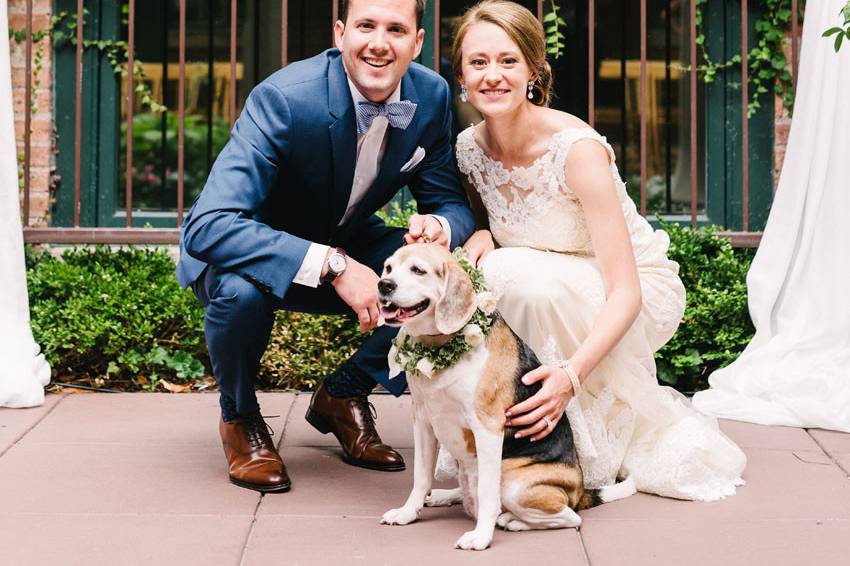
[367, 409]
[258, 430]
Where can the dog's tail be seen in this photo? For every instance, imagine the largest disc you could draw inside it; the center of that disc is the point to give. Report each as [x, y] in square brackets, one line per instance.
[594, 497]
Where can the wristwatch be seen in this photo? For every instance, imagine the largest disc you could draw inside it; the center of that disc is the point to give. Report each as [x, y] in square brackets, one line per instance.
[337, 263]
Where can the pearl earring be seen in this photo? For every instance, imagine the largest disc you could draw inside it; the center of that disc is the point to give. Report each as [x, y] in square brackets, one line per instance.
[463, 94]
[530, 90]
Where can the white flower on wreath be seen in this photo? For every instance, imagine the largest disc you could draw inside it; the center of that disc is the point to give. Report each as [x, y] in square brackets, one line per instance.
[473, 335]
[425, 367]
[486, 301]
[395, 367]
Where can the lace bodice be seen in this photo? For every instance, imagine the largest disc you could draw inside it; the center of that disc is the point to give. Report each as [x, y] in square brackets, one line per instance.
[532, 206]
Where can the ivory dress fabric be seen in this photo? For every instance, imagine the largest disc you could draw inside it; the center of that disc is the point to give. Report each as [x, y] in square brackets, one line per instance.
[23, 371]
[551, 291]
[796, 370]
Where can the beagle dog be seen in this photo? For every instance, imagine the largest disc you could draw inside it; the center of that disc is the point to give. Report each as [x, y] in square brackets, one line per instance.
[514, 483]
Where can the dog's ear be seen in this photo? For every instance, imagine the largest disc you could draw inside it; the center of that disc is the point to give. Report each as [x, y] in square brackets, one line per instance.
[457, 300]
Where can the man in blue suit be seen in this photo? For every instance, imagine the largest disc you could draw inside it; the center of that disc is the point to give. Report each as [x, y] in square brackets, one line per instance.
[286, 221]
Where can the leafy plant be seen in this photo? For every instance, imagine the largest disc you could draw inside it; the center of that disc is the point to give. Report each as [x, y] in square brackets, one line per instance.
[154, 167]
[837, 31]
[552, 23]
[716, 325]
[766, 61]
[63, 29]
[104, 315]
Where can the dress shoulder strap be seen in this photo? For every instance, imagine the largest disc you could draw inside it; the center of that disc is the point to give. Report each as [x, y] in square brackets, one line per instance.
[563, 141]
[465, 149]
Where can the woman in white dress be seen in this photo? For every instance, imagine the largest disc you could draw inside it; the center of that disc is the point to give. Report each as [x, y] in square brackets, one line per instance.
[581, 276]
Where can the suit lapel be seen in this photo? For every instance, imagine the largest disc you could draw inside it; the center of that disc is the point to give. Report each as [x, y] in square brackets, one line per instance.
[343, 136]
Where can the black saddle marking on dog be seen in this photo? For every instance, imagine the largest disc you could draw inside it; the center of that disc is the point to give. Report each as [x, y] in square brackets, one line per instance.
[558, 445]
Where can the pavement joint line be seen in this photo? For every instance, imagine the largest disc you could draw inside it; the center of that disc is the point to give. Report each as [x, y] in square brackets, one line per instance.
[244, 554]
[584, 553]
[828, 454]
[286, 421]
[35, 424]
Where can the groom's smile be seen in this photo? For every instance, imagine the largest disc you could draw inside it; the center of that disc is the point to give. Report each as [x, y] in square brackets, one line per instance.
[378, 40]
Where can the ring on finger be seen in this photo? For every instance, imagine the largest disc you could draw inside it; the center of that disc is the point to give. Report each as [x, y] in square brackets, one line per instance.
[549, 423]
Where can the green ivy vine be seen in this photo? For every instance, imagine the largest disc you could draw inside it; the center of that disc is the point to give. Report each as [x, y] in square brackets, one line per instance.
[766, 61]
[553, 23]
[839, 32]
[63, 29]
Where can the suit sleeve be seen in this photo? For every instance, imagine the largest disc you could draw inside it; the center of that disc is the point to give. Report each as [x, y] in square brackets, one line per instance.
[221, 228]
[436, 186]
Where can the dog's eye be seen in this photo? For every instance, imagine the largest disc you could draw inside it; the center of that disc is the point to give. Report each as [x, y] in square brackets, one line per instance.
[417, 270]
[388, 268]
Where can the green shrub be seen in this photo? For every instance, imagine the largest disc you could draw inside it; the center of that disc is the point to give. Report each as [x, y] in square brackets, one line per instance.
[716, 325]
[305, 347]
[107, 318]
[111, 316]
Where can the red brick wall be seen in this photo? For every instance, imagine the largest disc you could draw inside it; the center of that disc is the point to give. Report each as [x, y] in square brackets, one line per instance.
[782, 124]
[41, 156]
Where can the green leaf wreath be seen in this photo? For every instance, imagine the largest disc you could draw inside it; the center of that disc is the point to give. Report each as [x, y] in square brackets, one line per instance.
[415, 357]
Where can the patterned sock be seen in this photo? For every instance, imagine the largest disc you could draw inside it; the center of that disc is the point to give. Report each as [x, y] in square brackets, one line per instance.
[346, 382]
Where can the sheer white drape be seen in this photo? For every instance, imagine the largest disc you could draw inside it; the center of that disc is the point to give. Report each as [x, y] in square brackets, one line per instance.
[796, 370]
[23, 370]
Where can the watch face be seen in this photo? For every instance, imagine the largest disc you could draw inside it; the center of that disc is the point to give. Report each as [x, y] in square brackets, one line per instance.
[336, 263]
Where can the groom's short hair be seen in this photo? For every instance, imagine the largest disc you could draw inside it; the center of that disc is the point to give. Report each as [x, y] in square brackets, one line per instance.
[420, 11]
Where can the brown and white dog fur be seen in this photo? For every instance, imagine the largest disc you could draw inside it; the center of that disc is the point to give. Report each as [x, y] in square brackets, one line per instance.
[515, 483]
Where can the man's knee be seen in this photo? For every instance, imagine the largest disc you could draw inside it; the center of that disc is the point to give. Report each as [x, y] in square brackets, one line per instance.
[232, 292]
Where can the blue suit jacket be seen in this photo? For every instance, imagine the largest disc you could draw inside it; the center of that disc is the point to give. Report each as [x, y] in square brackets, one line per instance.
[284, 178]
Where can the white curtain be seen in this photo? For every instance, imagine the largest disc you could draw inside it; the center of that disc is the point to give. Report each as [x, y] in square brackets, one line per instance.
[796, 370]
[23, 370]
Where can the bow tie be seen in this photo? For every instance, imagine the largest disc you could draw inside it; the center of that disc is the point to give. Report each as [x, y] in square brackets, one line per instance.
[399, 114]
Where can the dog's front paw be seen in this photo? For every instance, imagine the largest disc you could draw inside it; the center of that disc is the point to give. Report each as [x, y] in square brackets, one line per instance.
[444, 497]
[474, 540]
[400, 516]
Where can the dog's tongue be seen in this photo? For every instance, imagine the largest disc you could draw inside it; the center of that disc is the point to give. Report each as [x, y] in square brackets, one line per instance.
[390, 313]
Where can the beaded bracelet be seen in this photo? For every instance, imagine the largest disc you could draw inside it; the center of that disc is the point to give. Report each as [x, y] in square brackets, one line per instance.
[571, 373]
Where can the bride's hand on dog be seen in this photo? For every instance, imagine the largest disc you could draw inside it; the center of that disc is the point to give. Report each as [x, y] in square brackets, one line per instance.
[479, 245]
[541, 412]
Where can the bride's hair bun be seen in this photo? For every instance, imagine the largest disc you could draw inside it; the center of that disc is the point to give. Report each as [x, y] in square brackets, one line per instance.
[523, 28]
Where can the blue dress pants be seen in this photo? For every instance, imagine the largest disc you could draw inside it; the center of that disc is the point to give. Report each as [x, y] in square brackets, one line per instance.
[238, 319]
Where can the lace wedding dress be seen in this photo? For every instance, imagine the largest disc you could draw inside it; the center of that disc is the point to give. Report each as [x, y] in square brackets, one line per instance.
[551, 290]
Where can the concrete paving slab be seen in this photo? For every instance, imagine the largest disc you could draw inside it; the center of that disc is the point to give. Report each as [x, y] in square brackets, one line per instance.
[734, 543]
[786, 485]
[394, 423]
[119, 478]
[278, 541]
[145, 418]
[14, 423]
[322, 484]
[128, 540]
[750, 435]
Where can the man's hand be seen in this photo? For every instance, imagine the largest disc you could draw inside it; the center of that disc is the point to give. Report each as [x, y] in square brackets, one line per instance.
[424, 228]
[479, 245]
[358, 287]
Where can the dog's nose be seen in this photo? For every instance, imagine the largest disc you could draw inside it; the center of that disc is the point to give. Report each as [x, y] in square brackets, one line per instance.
[386, 286]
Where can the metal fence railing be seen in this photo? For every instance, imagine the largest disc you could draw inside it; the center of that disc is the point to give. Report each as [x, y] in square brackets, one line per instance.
[131, 235]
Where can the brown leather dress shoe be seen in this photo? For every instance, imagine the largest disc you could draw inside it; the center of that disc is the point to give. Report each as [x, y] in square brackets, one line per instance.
[251, 455]
[352, 422]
